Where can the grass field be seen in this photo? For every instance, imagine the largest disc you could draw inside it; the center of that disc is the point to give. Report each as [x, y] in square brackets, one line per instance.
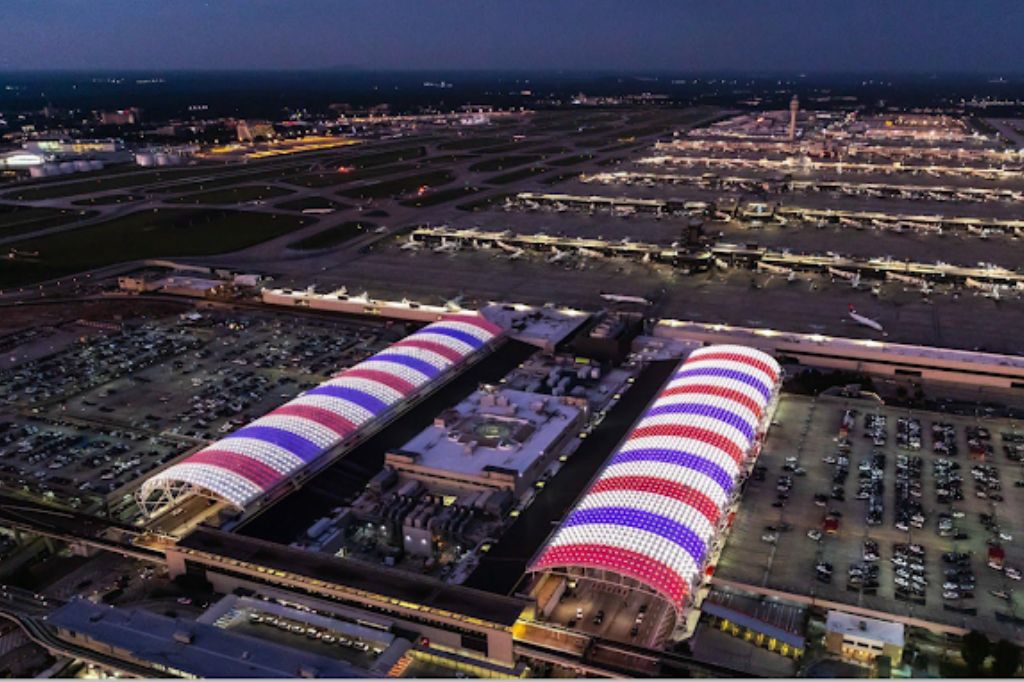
[332, 178]
[15, 220]
[234, 195]
[571, 160]
[472, 143]
[107, 199]
[558, 177]
[548, 151]
[145, 234]
[440, 196]
[445, 159]
[485, 203]
[332, 236]
[503, 162]
[399, 186]
[312, 202]
[103, 183]
[515, 176]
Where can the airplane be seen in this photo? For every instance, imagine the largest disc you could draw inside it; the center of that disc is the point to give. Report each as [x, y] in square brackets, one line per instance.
[622, 298]
[446, 246]
[557, 255]
[852, 277]
[866, 321]
[411, 245]
[588, 253]
[775, 269]
[453, 304]
[993, 293]
[513, 252]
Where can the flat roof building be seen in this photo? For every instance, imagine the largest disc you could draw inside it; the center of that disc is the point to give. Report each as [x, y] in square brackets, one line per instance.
[497, 439]
[185, 648]
[862, 639]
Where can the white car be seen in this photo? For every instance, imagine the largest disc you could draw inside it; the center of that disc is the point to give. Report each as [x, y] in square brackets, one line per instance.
[814, 534]
[1012, 573]
[950, 594]
[1006, 537]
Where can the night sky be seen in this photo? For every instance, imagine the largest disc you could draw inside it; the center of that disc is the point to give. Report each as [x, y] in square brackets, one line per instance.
[978, 36]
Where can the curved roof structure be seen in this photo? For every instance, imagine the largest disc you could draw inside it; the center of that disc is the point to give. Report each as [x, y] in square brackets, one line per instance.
[655, 510]
[253, 459]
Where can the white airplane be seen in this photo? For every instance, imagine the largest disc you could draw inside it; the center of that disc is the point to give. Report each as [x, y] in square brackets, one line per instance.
[446, 246]
[866, 321]
[774, 269]
[588, 253]
[453, 304]
[557, 255]
[852, 277]
[411, 245]
[514, 253]
[622, 298]
[993, 293]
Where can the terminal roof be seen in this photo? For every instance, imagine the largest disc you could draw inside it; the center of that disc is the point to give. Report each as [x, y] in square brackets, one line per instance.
[358, 575]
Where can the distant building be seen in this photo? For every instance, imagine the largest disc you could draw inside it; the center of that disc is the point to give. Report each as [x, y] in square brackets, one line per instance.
[196, 287]
[861, 639]
[608, 338]
[81, 147]
[178, 285]
[186, 648]
[496, 439]
[249, 131]
[121, 117]
[794, 109]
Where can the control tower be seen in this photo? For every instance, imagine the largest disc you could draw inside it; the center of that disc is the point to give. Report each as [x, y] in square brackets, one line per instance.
[794, 107]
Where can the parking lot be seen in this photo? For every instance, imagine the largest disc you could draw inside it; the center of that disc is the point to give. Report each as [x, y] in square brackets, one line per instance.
[881, 536]
[86, 421]
[244, 366]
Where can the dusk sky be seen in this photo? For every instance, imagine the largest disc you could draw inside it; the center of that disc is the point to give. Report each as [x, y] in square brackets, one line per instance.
[981, 36]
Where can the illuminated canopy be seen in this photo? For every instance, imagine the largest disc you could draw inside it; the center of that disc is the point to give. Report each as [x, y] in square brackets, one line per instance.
[656, 509]
[253, 459]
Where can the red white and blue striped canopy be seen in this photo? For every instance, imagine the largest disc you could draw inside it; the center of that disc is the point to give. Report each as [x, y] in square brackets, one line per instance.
[253, 459]
[656, 509]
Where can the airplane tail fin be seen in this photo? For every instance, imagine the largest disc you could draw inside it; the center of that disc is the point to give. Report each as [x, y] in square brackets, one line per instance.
[852, 309]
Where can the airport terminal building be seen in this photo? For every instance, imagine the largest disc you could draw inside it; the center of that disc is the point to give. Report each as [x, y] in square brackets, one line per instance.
[655, 518]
